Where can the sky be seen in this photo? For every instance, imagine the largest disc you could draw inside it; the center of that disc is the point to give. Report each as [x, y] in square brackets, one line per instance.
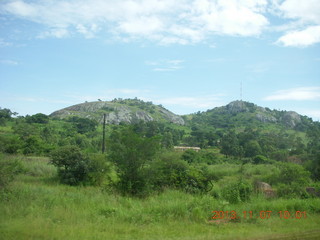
[188, 55]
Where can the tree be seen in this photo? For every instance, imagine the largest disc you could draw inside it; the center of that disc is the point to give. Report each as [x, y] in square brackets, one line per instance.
[252, 148]
[167, 140]
[230, 145]
[130, 153]
[83, 125]
[5, 114]
[37, 118]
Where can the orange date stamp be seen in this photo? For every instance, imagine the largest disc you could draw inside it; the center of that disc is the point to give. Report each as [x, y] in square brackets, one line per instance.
[230, 215]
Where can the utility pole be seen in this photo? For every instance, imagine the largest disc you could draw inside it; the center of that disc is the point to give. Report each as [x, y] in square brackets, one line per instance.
[104, 134]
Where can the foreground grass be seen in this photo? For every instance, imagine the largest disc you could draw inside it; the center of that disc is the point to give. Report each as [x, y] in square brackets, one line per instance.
[37, 207]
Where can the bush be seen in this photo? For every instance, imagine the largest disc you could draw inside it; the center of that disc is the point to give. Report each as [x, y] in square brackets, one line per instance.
[73, 166]
[170, 171]
[260, 159]
[99, 169]
[9, 168]
[237, 192]
[291, 173]
[190, 156]
[10, 144]
[291, 191]
[231, 193]
[245, 190]
[37, 118]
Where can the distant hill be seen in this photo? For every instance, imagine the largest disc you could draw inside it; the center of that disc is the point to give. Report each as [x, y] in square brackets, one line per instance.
[238, 114]
[120, 111]
[245, 114]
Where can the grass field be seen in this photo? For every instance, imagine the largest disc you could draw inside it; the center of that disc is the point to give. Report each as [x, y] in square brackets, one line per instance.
[36, 206]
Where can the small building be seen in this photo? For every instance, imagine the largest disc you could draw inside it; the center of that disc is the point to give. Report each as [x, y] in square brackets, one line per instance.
[178, 148]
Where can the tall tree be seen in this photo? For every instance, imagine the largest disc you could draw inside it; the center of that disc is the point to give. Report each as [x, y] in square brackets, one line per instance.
[130, 153]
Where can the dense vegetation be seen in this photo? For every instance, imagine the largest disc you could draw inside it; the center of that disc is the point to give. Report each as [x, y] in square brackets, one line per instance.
[142, 181]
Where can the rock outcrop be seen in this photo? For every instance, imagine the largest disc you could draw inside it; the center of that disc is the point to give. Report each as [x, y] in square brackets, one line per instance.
[120, 111]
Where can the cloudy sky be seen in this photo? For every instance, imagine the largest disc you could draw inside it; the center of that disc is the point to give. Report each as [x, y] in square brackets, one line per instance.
[188, 55]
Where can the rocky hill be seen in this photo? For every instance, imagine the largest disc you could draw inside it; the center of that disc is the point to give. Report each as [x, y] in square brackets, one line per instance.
[243, 114]
[120, 111]
[236, 114]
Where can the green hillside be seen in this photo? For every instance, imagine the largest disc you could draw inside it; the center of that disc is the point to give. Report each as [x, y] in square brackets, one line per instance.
[256, 175]
[245, 114]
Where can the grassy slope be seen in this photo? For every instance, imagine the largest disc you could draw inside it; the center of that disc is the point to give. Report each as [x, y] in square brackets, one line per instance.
[37, 207]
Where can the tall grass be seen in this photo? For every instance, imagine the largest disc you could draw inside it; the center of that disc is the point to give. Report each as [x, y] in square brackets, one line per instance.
[37, 207]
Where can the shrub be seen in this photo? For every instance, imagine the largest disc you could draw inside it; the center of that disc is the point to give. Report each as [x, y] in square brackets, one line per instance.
[291, 191]
[231, 193]
[98, 170]
[190, 156]
[10, 144]
[169, 171]
[245, 190]
[9, 168]
[260, 159]
[37, 118]
[73, 166]
[237, 192]
[291, 173]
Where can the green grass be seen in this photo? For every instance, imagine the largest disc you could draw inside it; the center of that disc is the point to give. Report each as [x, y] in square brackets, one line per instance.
[37, 207]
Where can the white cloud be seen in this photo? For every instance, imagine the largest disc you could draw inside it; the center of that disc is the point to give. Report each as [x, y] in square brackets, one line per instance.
[88, 32]
[166, 65]
[303, 28]
[297, 94]
[306, 11]
[171, 22]
[199, 103]
[234, 17]
[306, 37]
[9, 62]
[55, 32]
[4, 43]
[166, 21]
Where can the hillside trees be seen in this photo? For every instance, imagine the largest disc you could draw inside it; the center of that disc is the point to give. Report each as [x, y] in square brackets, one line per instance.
[230, 145]
[313, 150]
[83, 125]
[37, 118]
[5, 115]
[170, 136]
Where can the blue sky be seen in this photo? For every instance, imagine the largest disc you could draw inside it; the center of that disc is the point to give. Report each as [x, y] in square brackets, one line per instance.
[188, 55]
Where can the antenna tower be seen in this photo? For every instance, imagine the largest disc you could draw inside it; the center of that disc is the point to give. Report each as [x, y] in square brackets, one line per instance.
[241, 91]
